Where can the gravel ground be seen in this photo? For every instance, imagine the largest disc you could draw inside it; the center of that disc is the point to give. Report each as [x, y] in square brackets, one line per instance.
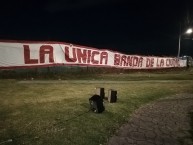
[163, 122]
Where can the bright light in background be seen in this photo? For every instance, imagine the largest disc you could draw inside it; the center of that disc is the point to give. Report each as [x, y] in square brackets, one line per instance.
[189, 31]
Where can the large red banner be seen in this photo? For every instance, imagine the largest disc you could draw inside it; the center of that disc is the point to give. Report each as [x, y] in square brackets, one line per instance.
[14, 54]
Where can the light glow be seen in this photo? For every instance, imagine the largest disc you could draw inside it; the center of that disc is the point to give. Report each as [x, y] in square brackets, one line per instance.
[189, 31]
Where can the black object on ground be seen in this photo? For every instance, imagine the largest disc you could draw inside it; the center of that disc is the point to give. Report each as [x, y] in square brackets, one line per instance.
[100, 92]
[96, 104]
[112, 96]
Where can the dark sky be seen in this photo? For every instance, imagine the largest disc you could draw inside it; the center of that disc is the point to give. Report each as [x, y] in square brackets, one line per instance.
[144, 27]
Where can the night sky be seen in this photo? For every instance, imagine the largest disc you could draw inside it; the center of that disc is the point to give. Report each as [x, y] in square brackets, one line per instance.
[148, 27]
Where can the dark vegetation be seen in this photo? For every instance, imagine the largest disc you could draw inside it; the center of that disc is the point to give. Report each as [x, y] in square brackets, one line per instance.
[76, 72]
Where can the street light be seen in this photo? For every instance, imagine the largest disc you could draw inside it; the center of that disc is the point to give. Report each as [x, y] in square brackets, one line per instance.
[188, 31]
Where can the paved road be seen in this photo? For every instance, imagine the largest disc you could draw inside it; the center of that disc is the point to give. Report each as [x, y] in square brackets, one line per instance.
[164, 122]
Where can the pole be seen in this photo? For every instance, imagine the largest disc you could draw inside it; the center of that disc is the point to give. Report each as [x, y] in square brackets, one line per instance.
[179, 45]
[179, 42]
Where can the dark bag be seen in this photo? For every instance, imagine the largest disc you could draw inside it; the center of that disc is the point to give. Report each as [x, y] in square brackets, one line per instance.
[96, 104]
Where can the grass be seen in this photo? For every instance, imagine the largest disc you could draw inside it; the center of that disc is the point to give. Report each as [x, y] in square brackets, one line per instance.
[56, 112]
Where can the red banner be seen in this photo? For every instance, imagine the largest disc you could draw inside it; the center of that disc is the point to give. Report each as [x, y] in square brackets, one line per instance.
[41, 54]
